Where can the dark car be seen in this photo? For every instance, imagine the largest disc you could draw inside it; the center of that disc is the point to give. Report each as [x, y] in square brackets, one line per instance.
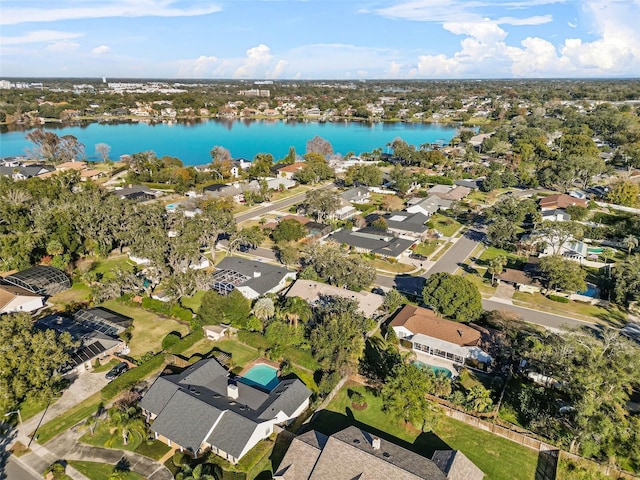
[116, 371]
[417, 256]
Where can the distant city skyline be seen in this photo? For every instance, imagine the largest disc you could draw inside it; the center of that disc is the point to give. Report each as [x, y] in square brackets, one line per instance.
[320, 39]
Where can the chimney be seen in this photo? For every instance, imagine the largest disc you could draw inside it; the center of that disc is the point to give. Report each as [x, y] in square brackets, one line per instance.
[375, 443]
[232, 391]
[256, 274]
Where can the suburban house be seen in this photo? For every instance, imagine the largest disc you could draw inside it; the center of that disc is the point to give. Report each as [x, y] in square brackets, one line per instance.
[22, 172]
[447, 192]
[435, 336]
[288, 171]
[103, 320]
[235, 190]
[555, 215]
[356, 195]
[17, 299]
[279, 184]
[353, 453]
[313, 292]
[94, 342]
[372, 240]
[428, 206]
[409, 224]
[344, 212]
[205, 408]
[40, 279]
[470, 184]
[137, 193]
[522, 280]
[561, 200]
[250, 277]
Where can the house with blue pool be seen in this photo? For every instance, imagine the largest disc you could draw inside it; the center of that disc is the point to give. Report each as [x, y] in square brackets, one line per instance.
[205, 408]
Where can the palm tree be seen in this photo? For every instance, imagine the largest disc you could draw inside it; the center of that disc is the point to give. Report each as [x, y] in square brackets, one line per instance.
[127, 421]
[630, 242]
[296, 309]
[264, 309]
[496, 265]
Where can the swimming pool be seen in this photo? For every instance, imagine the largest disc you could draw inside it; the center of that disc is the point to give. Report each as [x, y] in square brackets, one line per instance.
[435, 369]
[261, 375]
[590, 292]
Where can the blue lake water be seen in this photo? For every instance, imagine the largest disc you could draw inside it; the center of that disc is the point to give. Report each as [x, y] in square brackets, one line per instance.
[191, 142]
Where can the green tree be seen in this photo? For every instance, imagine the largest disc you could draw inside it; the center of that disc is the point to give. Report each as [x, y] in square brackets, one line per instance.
[624, 192]
[369, 175]
[563, 274]
[502, 232]
[393, 299]
[215, 309]
[264, 309]
[403, 395]
[30, 360]
[453, 296]
[631, 242]
[496, 266]
[627, 281]
[288, 230]
[250, 237]
[332, 264]
[577, 212]
[321, 203]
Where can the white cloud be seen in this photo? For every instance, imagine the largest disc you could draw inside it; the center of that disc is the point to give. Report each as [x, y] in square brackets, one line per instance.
[103, 9]
[528, 21]
[40, 36]
[278, 70]
[63, 46]
[101, 50]
[256, 57]
[201, 67]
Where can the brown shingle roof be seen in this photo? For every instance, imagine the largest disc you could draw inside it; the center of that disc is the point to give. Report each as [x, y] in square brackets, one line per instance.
[425, 321]
[294, 167]
[561, 200]
[9, 292]
[518, 276]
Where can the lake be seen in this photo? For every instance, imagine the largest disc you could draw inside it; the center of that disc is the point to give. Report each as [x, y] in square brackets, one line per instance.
[191, 142]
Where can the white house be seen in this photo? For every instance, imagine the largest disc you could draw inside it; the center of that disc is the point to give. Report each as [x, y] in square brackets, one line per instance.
[16, 299]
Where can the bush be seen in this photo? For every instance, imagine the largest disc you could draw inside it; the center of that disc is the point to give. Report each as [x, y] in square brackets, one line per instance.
[558, 298]
[186, 342]
[132, 376]
[166, 309]
[178, 459]
[170, 340]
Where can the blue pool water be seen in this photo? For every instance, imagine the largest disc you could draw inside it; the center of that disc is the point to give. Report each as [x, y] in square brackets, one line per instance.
[261, 375]
[435, 369]
[590, 292]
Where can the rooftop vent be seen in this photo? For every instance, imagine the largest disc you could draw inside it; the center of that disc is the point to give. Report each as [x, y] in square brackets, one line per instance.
[375, 443]
[386, 455]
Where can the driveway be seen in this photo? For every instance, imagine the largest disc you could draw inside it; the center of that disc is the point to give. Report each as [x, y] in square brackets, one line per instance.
[504, 293]
[457, 253]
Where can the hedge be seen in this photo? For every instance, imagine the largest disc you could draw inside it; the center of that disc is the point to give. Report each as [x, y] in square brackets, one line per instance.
[558, 298]
[164, 308]
[132, 376]
[253, 339]
[186, 342]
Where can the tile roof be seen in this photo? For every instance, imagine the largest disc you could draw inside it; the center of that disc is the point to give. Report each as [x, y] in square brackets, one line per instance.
[423, 321]
[561, 200]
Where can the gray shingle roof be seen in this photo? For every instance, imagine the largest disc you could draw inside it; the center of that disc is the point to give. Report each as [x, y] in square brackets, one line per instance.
[186, 420]
[232, 433]
[372, 239]
[262, 276]
[349, 454]
[409, 222]
[301, 457]
[188, 405]
[456, 465]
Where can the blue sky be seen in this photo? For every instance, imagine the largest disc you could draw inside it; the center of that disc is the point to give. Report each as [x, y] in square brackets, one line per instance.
[320, 39]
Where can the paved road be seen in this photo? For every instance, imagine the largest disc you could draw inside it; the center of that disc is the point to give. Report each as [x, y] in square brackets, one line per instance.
[457, 253]
[287, 202]
[529, 315]
[15, 471]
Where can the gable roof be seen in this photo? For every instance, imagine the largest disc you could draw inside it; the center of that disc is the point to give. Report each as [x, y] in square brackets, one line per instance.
[354, 194]
[518, 276]
[349, 454]
[372, 239]
[10, 292]
[260, 277]
[409, 222]
[423, 321]
[193, 407]
[561, 200]
[456, 465]
[292, 168]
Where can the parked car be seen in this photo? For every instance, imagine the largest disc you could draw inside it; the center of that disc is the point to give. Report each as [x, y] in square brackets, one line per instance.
[116, 371]
[417, 256]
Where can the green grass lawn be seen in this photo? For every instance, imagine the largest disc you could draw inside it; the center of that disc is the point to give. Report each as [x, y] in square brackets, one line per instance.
[153, 449]
[514, 261]
[101, 471]
[107, 266]
[105, 367]
[78, 293]
[483, 284]
[103, 437]
[193, 302]
[32, 406]
[148, 328]
[495, 456]
[611, 316]
[442, 251]
[380, 264]
[241, 354]
[427, 248]
[68, 419]
[447, 226]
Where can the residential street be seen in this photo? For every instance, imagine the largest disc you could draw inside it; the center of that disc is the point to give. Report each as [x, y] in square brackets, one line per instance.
[16, 471]
[545, 319]
[457, 253]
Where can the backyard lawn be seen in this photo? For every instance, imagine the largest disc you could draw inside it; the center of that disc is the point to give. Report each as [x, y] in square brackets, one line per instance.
[494, 455]
[101, 471]
[447, 226]
[148, 328]
[241, 354]
[386, 266]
